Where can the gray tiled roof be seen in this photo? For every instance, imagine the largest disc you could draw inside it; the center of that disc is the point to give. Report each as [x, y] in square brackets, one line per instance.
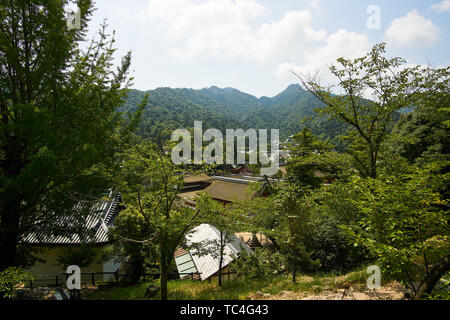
[94, 225]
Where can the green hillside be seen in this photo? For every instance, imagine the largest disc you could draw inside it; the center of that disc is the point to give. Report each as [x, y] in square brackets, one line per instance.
[169, 109]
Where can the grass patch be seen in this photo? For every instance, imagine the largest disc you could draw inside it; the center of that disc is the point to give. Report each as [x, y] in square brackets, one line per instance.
[129, 292]
[182, 290]
[236, 289]
[195, 290]
[359, 276]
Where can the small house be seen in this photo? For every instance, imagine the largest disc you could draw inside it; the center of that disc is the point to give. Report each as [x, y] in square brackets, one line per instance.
[193, 264]
[93, 233]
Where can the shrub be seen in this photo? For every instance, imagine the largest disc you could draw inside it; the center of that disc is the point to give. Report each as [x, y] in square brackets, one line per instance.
[261, 265]
[10, 277]
[332, 247]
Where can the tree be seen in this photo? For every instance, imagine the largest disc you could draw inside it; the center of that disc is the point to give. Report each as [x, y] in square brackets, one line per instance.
[333, 208]
[262, 265]
[150, 185]
[226, 220]
[297, 228]
[405, 225]
[310, 158]
[422, 136]
[130, 224]
[59, 129]
[392, 87]
[10, 277]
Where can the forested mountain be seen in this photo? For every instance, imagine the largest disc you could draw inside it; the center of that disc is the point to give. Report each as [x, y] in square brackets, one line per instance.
[287, 111]
[169, 109]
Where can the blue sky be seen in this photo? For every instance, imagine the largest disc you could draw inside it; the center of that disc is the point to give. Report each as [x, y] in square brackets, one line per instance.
[252, 45]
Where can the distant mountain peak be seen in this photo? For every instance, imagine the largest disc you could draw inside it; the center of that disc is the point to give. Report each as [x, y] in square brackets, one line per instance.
[294, 86]
[293, 90]
[227, 89]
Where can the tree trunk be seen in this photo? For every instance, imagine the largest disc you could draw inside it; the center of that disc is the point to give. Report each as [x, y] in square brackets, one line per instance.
[221, 260]
[137, 269]
[9, 236]
[163, 280]
[220, 278]
[10, 200]
[9, 233]
[373, 164]
[294, 273]
[427, 285]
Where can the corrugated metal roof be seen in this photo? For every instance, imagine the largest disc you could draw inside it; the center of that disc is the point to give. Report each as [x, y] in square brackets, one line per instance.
[208, 264]
[92, 227]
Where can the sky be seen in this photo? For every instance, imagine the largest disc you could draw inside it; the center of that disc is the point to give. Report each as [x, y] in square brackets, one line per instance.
[253, 45]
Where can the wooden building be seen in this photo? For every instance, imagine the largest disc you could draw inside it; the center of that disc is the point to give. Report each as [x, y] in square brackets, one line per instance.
[92, 231]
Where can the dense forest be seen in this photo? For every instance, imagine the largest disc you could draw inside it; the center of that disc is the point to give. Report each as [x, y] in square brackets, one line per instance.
[169, 109]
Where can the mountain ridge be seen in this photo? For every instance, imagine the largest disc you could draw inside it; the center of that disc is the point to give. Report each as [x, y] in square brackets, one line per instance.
[221, 108]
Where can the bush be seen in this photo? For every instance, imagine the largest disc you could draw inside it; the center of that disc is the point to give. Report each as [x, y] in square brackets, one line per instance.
[331, 244]
[262, 265]
[442, 289]
[332, 247]
[10, 277]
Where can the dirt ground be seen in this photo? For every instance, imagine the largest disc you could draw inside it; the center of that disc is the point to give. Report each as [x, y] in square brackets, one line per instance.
[387, 292]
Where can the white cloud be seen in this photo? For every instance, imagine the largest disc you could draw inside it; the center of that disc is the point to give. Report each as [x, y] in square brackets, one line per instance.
[230, 28]
[236, 28]
[342, 43]
[412, 30]
[290, 37]
[442, 7]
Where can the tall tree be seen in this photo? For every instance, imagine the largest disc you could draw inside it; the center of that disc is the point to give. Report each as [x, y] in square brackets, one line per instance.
[422, 136]
[311, 159]
[405, 225]
[286, 218]
[130, 224]
[296, 228]
[58, 119]
[150, 184]
[390, 85]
